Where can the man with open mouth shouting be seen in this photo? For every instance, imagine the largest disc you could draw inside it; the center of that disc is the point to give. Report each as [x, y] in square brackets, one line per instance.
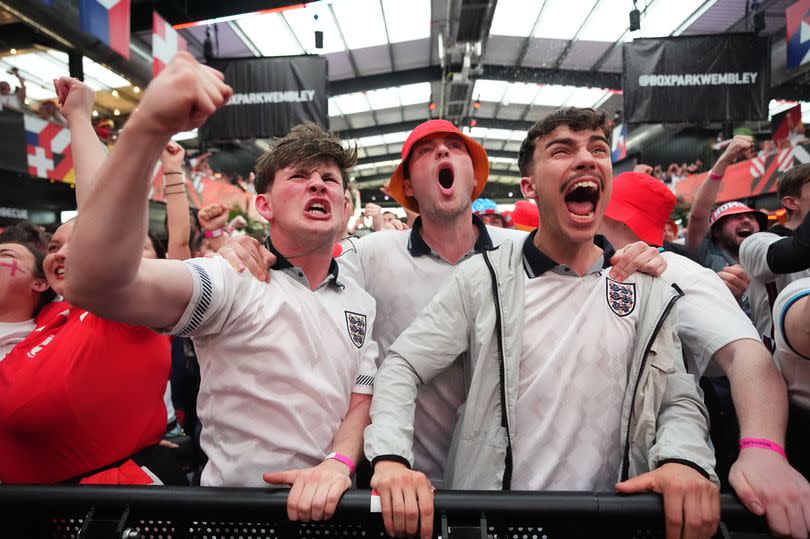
[287, 367]
[545, 408]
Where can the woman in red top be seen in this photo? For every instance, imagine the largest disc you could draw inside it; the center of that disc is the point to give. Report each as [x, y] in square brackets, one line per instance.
[82, 397]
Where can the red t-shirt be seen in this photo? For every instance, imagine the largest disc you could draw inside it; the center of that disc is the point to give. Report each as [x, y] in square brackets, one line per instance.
[79, 393]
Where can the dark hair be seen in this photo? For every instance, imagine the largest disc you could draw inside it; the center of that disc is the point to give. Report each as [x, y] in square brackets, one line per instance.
[576, 118]
[306, 146]
[791, 182]
[26, 232]
[157, 245]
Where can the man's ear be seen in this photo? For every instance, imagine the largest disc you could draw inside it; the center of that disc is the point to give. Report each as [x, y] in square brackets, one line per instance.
[407, 187]
[39, 285]
[790, 203]
[263, 207]
[527, 188]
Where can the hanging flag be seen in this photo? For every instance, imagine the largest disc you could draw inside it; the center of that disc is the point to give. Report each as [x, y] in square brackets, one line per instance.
[797, 18]
[787, 126]
[108, 20]
[165, 43]
[47, 146]
[618, 151]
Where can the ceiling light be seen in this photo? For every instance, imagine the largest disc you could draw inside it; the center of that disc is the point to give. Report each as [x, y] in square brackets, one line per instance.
[115, 93]
[117, 112]
[13, 51]
[136, 89]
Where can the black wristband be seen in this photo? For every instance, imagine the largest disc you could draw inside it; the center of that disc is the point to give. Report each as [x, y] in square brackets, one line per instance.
[392, 458]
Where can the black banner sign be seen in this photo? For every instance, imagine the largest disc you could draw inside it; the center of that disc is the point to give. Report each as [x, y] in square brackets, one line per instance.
[696, 79]
[270, 96]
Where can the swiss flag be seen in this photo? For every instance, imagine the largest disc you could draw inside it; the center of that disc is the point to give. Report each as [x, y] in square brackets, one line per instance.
[165, 43]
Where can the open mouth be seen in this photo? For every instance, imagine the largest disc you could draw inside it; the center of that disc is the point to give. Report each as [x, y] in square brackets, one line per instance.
[581, 199]
[317, 208]
[744, 232]
[446, 176]
[60, 272]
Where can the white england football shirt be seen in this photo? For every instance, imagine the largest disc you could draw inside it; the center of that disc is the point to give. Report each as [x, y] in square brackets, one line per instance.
[578, 338]
[278, 365]
[403, 274]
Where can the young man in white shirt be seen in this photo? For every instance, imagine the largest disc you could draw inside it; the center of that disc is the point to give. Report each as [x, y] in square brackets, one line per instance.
[714, 330]
[513, 427]
[287, 367]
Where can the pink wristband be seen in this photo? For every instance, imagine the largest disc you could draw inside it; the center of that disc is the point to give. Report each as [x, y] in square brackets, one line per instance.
[213, 233]
[342, 458]
[714, 176]
[762, 443]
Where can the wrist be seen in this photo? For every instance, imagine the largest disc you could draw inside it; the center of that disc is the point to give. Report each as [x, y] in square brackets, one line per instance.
[217, 232]
[762, 443]
[715, 176]
[343, 459]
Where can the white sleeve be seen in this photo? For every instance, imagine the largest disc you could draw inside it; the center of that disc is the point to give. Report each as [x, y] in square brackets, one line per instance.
[754, 255]
[216, 287]
[709, 316]
[787, 297]
[367, 368]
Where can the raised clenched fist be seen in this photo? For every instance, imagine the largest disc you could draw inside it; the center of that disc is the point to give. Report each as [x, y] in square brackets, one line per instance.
[75, 97]
[181, 98]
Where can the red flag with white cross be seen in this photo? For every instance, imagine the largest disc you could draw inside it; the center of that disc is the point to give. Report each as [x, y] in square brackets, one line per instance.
[166, 42]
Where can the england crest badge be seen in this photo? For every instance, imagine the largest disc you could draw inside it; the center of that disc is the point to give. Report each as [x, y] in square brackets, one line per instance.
[621, 297]
[356, 324]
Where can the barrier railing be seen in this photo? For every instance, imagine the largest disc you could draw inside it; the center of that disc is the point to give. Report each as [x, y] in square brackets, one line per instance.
[238, 513]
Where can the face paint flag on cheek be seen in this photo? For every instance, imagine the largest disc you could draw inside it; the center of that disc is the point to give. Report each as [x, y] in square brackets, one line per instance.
[14, 269]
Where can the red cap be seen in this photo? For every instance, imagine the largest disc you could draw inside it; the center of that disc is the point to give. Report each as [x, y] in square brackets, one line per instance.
[643, 203]
[736, 208]
[525, 216]
[477, 153]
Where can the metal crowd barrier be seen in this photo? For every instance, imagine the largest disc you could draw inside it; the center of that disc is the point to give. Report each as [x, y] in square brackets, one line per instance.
[90, 512]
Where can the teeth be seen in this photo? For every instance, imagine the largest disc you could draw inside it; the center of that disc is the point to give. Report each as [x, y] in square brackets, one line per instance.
[60, 272]
[317, 208]
[589, 184]
[583, 218]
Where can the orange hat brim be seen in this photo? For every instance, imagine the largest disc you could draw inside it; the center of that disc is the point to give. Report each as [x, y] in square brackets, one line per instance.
[480, 160]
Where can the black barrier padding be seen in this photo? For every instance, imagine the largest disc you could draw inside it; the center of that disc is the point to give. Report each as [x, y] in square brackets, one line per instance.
[229, 513]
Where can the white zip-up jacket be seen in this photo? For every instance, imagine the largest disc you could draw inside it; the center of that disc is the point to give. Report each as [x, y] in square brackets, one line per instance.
[479, 313]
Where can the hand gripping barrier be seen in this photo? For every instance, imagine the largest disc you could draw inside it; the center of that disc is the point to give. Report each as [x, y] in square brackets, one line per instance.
[90, 512]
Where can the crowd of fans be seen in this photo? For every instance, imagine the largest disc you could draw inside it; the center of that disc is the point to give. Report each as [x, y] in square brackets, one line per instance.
[559, 346]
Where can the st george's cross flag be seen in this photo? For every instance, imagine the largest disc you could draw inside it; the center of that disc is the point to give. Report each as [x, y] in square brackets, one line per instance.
[166, 42]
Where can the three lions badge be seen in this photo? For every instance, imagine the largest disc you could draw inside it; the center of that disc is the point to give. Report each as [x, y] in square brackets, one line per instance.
[621, 297]
[356, 324]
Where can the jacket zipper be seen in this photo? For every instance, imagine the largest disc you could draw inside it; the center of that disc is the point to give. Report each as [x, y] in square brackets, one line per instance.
[625, 465]
[507, 474]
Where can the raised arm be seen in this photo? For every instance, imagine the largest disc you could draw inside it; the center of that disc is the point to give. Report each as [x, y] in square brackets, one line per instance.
[77, 101]
[106, 272]
[698, 224]
[177, 224]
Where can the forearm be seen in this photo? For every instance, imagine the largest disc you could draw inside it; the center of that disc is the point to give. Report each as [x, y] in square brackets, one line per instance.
[698, 224]
[114, 218]
[177, 218]
[757, 389]
[349, 438]
[88, 156]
